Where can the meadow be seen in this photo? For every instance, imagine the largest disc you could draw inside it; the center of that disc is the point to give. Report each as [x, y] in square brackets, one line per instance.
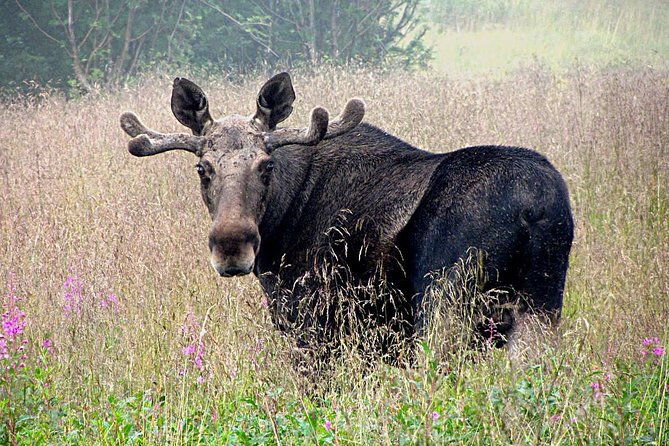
[493, 37]
[117, 331]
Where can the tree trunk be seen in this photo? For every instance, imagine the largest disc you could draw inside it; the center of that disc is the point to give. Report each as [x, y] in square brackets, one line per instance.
[117, 72]
[333, 30]
[82, 76]
[313, 53]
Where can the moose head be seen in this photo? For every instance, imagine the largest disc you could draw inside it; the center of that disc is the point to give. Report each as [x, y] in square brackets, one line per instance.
[236, 161]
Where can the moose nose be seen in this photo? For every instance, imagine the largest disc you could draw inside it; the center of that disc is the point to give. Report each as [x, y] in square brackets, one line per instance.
[232, 271]
[233, 248]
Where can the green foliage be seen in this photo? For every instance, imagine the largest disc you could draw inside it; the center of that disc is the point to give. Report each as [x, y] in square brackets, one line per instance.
[430, 407]
[85, 45]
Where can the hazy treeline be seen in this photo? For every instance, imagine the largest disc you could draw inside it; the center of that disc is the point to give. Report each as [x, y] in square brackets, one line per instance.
[80, 45]
[83, 43]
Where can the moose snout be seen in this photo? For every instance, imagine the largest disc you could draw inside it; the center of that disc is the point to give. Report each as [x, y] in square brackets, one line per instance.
[234, 248]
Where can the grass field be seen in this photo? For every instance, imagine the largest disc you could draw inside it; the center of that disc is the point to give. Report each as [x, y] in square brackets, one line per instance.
[117, 331]
[500, 36]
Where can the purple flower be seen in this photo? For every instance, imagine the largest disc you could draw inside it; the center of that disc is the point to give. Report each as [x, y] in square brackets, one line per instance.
[328, 425]
[555, 418]
[647, 342]
[12, 324]
[597, 391]
[73, 294]
[652, 346]
[110, 301]
[198, 361]
[188, 350]
[435, 416]
[48, 346]
[191, 329]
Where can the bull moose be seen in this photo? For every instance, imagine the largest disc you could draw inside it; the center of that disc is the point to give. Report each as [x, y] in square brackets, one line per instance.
[284, 202]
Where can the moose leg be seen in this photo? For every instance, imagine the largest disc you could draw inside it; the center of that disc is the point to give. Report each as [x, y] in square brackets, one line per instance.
[541, 284]
[542, 280]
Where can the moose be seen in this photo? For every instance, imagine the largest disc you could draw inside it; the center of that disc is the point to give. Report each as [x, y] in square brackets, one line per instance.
[347, 198]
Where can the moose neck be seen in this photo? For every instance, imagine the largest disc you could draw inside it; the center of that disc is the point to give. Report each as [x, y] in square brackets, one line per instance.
[288, 192]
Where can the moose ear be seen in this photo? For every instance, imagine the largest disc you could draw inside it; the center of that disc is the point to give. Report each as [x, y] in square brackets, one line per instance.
[190, 105]
[275, 101]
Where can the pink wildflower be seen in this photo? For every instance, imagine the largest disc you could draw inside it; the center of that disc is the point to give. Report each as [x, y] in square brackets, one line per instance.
[110, 301]
[328, 425]
[647, 342]
[188, 350]
[435, 416]
[191, 329]
[73, 294]
[555, 418]
[597, 391]
[652, 346]
[12, 324]
[198, 360]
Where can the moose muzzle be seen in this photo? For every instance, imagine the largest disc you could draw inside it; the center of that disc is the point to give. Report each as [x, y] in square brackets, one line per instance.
[233, 248]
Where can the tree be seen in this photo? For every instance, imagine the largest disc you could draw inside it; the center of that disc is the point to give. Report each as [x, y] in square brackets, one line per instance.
[105, 40]
[91, 43]
[338, 31]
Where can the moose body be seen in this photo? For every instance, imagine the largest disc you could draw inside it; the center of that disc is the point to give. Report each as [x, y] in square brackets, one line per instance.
[364, 202]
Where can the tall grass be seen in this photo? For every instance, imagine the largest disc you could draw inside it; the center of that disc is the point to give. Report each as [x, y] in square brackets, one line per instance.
[133, 339]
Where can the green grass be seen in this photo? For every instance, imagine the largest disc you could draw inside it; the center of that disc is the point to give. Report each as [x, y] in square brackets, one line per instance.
[75, 204]
[557, 34]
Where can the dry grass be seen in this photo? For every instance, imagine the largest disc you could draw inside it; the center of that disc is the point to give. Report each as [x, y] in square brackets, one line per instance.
[74, 202]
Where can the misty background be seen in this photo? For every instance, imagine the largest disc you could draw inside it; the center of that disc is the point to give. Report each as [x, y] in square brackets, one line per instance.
[84, 45]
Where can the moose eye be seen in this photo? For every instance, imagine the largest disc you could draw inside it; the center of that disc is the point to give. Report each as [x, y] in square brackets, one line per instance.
[269, 165]
[200, 169]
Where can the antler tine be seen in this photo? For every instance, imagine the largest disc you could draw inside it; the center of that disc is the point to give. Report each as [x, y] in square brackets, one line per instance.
[318, 126]
[148, 142]
[348, 119]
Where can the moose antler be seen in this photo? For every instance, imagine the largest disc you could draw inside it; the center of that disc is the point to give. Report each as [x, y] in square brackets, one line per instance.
[352, 115]
[318, 127]
[146, 142]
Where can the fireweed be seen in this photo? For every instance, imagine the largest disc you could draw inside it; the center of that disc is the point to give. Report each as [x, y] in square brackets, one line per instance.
[652, 350]
[13, 342]
[13, 359]
[76, 301]
[193, 351]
